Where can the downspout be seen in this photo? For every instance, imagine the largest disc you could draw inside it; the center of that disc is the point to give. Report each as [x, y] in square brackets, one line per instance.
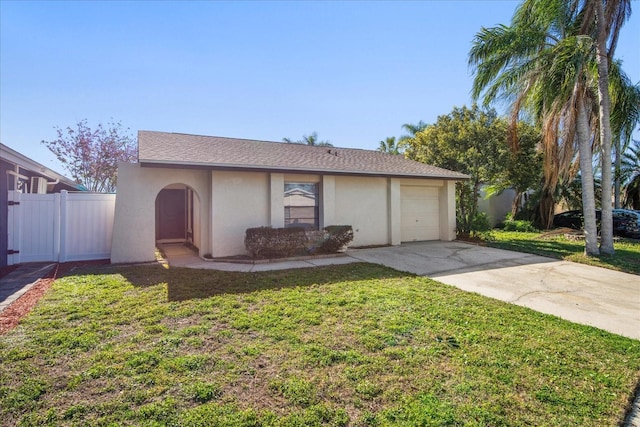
[53, 182]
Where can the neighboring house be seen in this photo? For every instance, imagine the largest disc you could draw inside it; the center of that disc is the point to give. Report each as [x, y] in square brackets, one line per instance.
[499, 205]
[206, 191]
[22, 174]
[496, 206]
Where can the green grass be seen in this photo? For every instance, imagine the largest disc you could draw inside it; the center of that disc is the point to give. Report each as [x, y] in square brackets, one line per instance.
[358, 345]
[626, 257]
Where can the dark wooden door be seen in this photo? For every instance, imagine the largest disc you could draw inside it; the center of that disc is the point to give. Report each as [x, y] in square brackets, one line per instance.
[171, 211]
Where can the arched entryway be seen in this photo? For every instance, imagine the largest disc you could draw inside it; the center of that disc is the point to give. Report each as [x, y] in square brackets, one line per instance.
[177, 215]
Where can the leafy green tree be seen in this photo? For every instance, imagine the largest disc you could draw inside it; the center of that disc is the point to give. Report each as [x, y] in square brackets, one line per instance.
[311, 139]
[520, 169]
[91, 156]
[475, 141]
[390, 145]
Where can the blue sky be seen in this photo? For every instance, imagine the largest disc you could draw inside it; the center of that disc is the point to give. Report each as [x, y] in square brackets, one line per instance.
[352, 71]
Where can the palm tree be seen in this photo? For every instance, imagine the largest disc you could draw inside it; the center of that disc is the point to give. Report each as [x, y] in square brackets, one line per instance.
[389, 145]
[540, 64]
[412, 130]
[551, 62]
[631, 176]
[311, 139]
[625, 117]
[603, 24]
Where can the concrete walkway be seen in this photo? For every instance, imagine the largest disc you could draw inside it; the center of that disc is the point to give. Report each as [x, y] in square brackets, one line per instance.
[20, 280]
[179, 255]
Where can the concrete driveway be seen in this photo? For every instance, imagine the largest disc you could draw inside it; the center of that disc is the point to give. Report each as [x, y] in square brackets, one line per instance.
[594, 296]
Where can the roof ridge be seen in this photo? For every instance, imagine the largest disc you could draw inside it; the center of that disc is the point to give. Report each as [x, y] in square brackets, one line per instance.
[265, 140]
[175, 149]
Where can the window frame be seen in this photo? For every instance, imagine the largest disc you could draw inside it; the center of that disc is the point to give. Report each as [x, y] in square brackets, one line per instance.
[316, 206]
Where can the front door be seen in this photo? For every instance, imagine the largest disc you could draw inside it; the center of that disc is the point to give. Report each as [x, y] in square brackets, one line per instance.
[171, 215]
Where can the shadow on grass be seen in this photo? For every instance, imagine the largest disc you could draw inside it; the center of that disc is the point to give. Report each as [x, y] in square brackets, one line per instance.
[550, 248]
[626, 257]
[186, 283]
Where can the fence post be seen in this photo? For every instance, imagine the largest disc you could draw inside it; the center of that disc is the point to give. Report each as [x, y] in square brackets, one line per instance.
[13, 230]
[61, 227]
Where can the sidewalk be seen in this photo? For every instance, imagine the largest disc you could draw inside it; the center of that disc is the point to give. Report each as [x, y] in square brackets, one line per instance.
[19, 281]
[178, 255]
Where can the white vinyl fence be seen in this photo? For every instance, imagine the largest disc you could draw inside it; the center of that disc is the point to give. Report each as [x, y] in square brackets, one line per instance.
[59, 227]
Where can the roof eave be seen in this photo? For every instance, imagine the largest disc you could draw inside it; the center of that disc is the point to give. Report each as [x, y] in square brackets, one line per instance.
[12, 156]
[263, 168]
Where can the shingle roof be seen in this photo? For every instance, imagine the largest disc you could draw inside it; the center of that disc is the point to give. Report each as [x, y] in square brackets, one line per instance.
[176, 149]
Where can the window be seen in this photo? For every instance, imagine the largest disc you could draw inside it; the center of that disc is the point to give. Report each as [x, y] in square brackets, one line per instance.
[301, 205]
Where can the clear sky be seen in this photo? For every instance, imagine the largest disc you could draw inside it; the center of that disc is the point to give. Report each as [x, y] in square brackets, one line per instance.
[352, 71]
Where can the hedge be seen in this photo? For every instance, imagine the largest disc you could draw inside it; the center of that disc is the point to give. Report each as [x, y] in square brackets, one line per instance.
[267, 242]
[338, 236]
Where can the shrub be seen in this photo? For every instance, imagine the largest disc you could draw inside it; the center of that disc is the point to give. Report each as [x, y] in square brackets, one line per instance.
[519, 226]
[267, 242]
[338, 236]
[315, 238]
[480, 222]
[479, 228]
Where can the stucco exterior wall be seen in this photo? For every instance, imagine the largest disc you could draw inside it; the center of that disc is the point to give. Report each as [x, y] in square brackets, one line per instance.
[197, 222]
[362, 203]
[276, 219]
[134, 229]
[226, 203]
[239, 200]
[448, 211]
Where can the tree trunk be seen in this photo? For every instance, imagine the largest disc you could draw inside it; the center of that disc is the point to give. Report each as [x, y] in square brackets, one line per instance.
[606, 230]
[546, 208]
[586, 178]
[616, 175]
[515, 205]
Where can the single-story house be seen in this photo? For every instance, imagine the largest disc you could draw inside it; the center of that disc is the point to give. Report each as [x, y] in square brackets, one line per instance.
[20, 173]
[206, 191]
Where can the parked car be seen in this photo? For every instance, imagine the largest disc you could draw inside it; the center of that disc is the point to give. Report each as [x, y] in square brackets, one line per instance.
[569, 219]
[626, 222]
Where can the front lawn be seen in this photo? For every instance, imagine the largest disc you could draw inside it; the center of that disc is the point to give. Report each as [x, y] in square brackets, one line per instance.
[356, 344]
[626, 258]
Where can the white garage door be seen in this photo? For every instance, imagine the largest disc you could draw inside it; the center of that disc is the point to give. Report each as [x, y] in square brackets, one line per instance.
[419, 207]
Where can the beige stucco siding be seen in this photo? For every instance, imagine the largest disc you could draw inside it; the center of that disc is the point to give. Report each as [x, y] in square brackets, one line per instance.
[239, 200]
[448, 211]
[134, 228]
[226, 203]
[362, 203]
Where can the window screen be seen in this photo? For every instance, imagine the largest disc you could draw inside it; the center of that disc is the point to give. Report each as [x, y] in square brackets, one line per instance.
[301, 205]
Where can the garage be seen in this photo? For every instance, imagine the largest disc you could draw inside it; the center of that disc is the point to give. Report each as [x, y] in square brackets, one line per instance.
[419, 208]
